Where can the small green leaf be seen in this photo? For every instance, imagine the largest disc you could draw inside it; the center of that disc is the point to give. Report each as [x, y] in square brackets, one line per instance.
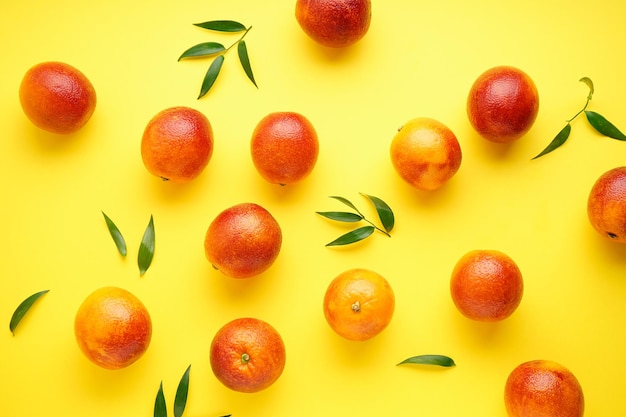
[211, 75]
[146, 249]
[385, 214]
[353, 236]
[242, 50]
[558, 140]
[222, 26]
[120, 243]
[181, 394]
[203, 49]
[346, 202]
[160, 409]
[589, 83]
[603, 126]
[341, 216]
[23, 308]
[439, 360]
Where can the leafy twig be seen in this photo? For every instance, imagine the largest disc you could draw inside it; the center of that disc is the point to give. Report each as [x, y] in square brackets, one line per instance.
[597, 121]
[218, 51]
[385, 215]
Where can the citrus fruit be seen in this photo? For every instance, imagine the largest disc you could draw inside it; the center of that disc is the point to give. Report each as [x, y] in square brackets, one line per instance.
[606, 205]
[57, 97]
[334, 23]
[502, 104]
[425, 153]
[359, 304]
[177, 144]
[243, 240]
[284, 147]
[247, 355]
[113, 328]
[543, 388]
[486, 285]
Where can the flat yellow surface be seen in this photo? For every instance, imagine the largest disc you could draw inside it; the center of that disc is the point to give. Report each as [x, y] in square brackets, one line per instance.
[418, 59]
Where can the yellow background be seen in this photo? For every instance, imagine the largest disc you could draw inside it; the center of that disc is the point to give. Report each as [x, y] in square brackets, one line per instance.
[418, 59]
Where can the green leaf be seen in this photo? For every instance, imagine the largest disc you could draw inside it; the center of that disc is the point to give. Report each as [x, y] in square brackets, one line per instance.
[353, 236]
[181, 394]
[558, 140]
[439, 360]
[146, 249]
[346, 202]
[23, 308]
[589, 83]
[603, 126]
[211, 75]
[242, 50]
[116, 235]
[385, 214]
[222, 26]
[341, 216]
[203, 49]
[160, 409]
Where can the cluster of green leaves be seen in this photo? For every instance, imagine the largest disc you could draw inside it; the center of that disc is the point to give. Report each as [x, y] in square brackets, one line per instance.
[146, 247]
[439, 360]
[180, 400]
[218, 51]
[385, 215]
[23, 308]
[596, 120]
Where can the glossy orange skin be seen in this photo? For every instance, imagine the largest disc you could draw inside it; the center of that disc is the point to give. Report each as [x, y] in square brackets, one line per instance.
[334, 23]
[284, 147]
[359, 304]
[247, 355]
[502, 104]
[177, 144]
[57, 97]
[543, 388]
[606, 205]
[425, 153]
[243, 240]
[486, 285]
[113, 328]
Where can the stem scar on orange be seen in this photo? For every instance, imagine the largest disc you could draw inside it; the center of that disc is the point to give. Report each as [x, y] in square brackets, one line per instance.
[359, 304]
[113, 328]
[247, 355]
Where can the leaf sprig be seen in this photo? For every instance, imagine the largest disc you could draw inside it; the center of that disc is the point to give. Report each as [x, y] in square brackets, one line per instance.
[385, 215]
[439, 360]
[218, 51]
[23, 308]
[597, 121]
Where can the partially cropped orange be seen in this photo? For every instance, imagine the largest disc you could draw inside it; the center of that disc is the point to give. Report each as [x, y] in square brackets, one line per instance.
[502, 104]
[284, 147]
[425, 153]
[606, 205]
[334, 23]
[247, 355]
[177, 144]
[486, 285]
[57, 97]
[543, 388]
[243, 241]
[113, 328]
[359, 304]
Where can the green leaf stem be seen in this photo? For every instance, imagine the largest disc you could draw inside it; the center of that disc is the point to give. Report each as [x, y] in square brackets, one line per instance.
[22, 309]
[146, 248]
[160, 408]
[120, 243]
[218, 51]
[180, 400]
[597, 121]
[384, 212]
[439, 360]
